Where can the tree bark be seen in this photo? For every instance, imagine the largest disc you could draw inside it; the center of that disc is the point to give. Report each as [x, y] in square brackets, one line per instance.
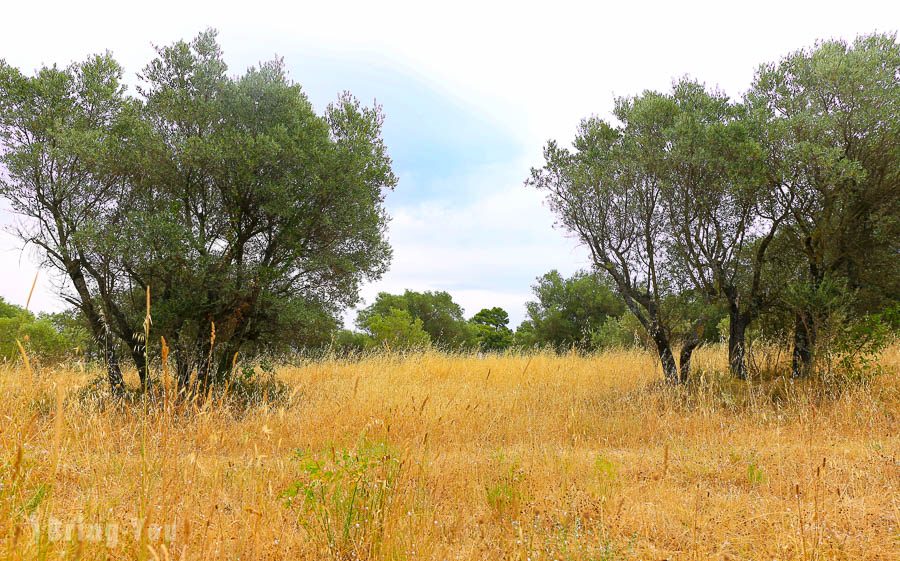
[114, 372]
[691, 342]
[139, 356]
[99, 329]
[666, 358]
[120, 326]
[182, 370]
[805, 322]
[226, 361]
[804, 340]
[737, 343]
[684, 360]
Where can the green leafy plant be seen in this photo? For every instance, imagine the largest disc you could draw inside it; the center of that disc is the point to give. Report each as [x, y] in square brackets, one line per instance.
[39, 335]
[36, 499]
[343, 497]
[846, 345]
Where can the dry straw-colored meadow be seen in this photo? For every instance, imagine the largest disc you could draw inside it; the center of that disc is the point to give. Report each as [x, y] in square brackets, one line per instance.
[430, 456]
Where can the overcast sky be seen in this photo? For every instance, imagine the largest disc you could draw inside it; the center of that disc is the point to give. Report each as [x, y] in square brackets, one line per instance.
[471, 91]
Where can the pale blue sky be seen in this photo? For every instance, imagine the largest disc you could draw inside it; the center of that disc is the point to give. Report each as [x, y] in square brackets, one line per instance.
[471, 91]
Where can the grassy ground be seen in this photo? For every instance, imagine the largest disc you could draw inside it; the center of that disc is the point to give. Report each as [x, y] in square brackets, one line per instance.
[437, 457]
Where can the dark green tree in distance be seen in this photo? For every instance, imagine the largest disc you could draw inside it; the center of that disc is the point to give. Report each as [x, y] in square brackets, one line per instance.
[397, 330]
[43, 336]
[441, 317]
[491, 329]
[347, 341]
[568, 311]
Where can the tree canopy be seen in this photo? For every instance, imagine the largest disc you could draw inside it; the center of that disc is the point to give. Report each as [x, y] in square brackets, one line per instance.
[491, 329]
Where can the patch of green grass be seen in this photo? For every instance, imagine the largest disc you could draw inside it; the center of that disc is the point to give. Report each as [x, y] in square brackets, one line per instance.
[504, 495]
[755, 474]
[607, 473]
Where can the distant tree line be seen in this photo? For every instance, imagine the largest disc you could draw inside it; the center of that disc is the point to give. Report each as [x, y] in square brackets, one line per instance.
[414, 320]
[581, 313]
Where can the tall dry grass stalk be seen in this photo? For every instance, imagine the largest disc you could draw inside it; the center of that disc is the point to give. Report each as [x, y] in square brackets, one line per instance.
[26, 361]
[500, 457]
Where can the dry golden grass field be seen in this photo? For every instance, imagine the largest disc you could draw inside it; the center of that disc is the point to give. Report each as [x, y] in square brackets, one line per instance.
[430, 456]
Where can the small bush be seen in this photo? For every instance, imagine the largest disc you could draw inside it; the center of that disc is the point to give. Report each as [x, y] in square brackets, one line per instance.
[622, 332]
[256, 385]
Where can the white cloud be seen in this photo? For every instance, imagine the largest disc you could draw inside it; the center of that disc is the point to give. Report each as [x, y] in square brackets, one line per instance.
[18, 269]
[485, 251]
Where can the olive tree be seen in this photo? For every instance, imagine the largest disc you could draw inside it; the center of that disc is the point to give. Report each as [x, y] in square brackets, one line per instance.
[725, 205]
[233, 203]
[59, 131]
[833, 116]
[608, 191]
